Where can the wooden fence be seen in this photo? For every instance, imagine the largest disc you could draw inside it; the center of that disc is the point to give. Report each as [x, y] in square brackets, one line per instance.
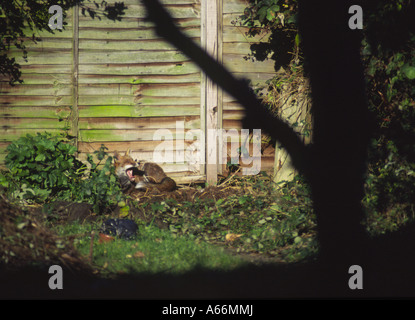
[119, 84]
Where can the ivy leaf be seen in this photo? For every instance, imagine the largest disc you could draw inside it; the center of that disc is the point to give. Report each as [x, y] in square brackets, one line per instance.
[409, 71]
[271, 13]
[297, 39]
[262, 13]
[40, 157]
[52, 179]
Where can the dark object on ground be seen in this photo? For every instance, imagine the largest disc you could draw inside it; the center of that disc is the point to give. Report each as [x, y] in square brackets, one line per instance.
[122, 228]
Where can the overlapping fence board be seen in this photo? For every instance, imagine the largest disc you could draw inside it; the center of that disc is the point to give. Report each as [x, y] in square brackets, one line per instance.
[119, 84]
[132, 83]
[45, 97]
[236, 46]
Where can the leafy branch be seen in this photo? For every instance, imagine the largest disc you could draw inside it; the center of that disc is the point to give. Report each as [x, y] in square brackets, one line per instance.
[18, 18]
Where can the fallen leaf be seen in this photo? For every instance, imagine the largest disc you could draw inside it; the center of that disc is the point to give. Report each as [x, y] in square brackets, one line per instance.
[103, 238]
[232, 236]
[139, 254]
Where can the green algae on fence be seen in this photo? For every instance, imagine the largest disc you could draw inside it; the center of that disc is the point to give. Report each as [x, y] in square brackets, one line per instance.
[138, 111]
[129, 135]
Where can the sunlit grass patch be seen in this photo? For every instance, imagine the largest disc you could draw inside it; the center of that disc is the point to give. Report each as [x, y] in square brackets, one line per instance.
[153, 251]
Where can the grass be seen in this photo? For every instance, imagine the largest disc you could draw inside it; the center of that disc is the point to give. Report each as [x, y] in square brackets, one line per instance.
[249, 220]
[242, 220]
[153, 251]
[257, 221]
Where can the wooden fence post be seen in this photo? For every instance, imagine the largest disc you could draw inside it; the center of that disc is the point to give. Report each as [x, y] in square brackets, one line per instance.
[74, 117]
[211, 42]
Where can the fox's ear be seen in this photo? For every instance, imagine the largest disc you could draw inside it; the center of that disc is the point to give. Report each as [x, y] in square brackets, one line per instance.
[116, 155]
[127, 153]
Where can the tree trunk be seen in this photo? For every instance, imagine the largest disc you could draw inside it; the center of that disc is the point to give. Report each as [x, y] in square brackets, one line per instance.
[341, 132]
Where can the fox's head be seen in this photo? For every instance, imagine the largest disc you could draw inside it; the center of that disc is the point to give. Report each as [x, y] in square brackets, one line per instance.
[125, 166]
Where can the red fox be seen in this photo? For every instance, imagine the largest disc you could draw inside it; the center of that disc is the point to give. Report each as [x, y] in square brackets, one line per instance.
[146, 176]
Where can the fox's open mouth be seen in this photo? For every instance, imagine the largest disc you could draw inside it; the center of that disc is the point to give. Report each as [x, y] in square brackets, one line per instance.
[133, 171]
[130, 174]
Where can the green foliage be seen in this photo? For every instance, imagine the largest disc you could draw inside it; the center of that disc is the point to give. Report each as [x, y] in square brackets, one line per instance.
[389, 59]
[388, 55]
[276, 222]
[44, 167]
[21, 20]
[389, 190]
[101, 188]
[207, 233]
[278, 18]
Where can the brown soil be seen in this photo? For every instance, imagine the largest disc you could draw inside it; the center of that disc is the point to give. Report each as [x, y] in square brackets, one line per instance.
[25, 239]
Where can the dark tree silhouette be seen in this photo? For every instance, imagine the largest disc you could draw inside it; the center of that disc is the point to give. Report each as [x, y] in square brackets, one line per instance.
[335, 162]
[334, 165]
[341, 125]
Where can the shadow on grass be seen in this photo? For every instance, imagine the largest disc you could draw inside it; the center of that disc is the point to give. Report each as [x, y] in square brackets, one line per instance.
[387, 273]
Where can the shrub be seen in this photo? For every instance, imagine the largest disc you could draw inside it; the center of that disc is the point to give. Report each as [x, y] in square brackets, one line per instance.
[42, 166]
[101, 188]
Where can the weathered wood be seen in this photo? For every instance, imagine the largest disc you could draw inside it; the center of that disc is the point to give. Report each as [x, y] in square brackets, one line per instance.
[134, 69]
[125, 45]
[138, 111]
[137, 147]
[168, 167]
[234, 6]
[51, 70]
[13, 134]
[141, 102]
[238, 34]
[170, 158]
[64, 33]
[55, 56]
[140, 79]
[148, 90]
[34, 111]
[186, 178]
[237, 63]
[169, 122]
[36, 90]
[210, 28]
[50, 79]
[92, 57]
[176, 11]
[128, 34]
[220, 35]
[127, 82]
[47, 44]
[32, 101]
[129, 135]
[134, 22]
[232, 19]
[239, 48]
[28, 123]
[74, 116]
